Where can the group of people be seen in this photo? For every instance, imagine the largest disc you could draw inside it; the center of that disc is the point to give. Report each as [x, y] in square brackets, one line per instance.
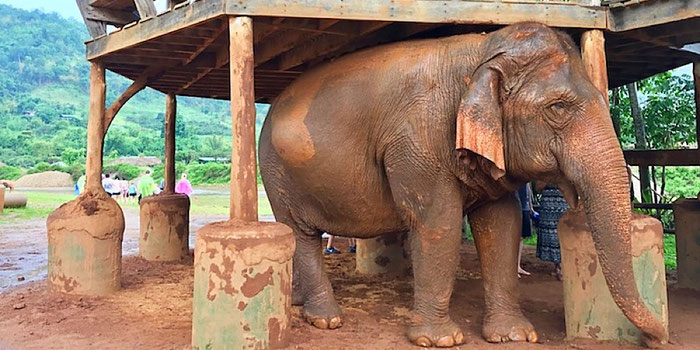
[125, 191]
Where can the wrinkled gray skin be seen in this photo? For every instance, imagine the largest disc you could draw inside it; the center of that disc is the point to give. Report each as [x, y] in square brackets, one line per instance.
[365, 146]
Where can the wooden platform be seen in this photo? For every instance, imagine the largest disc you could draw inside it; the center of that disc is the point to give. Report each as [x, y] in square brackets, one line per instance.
[184, 50]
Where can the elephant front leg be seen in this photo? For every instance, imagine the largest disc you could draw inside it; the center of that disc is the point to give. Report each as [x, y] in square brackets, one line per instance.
[435, 241]
[496, 229]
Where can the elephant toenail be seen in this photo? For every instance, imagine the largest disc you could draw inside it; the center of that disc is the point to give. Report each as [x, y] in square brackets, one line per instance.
[423, 341]
[320, 323]
[532, 337]
[459, 338]
[445, 342]
[335, 322]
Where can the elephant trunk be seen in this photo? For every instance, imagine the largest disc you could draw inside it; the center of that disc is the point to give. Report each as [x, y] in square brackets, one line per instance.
[596, 167]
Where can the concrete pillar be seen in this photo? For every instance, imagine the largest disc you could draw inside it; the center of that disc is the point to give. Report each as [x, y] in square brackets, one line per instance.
[686, 213]
[164, 229]
[589, 309]
[242, 285]
[387, 254]
[85, 235]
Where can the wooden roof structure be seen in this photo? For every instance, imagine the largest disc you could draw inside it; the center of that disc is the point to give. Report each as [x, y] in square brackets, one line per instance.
[184, 50]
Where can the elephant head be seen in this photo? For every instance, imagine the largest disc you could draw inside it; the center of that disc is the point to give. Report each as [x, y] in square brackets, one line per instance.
[532, 111]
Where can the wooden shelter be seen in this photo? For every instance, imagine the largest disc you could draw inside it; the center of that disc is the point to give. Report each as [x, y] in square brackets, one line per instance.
[186, 49]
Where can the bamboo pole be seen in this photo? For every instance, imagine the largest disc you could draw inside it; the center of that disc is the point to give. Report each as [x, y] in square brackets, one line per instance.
[95, 134]
[170, 120]
[593, 55]
[244, 192]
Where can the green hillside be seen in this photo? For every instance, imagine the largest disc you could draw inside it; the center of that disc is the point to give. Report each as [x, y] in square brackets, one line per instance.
[44, 101]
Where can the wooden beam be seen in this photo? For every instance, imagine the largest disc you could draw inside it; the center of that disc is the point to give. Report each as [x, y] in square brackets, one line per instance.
[95, 28]
[221, 59]
[325, 44]
[649, 13]
[138, 85]
[170, 120]
[286, 40]
[110, 16]
[472, 12]
[219, 33]
[196, 13]
[593, 55]
[244, 189]
[674, 157]
[95, 134]
[145, 8]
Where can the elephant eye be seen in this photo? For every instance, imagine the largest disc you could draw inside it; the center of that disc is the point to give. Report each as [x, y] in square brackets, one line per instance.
[557, 107]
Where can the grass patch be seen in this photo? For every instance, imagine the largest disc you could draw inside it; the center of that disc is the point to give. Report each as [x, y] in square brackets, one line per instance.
[41, 203]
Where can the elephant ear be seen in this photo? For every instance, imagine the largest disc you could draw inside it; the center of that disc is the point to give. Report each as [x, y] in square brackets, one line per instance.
[480, 121]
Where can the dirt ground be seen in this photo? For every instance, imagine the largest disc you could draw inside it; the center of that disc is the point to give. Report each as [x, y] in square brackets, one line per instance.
[153, 311]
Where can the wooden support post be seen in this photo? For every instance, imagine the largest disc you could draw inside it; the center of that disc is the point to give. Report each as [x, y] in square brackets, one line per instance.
[593, 55]
[696, 82]
[145, 8]
[244, 191]
[85, 235]
[95, 132]
[170, 120]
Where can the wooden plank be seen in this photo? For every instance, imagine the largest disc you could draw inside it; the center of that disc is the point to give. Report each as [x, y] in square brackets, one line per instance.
[244, 190]
[110, 16]
[593, 55]
[651, 13]
[196, 13]
[474, 12]
[664, 206]
[286, 40]
[675, 157]
[145, 8]
[95, 28]
[325, 44]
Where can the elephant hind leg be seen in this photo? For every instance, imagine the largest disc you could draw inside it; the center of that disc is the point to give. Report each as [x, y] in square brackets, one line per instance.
[311, 287]
[496, 227]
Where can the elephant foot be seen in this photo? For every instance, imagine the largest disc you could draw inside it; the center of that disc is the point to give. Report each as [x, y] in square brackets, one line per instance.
[501, 328]
[325, 315]
[444, 335]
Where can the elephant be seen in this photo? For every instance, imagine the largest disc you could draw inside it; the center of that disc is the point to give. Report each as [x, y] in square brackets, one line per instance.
[414, 135]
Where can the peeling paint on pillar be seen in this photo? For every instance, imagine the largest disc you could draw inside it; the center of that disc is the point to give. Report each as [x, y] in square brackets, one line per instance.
[85, 245]
[386, 254]
[589, 309]
[164, 229]
[686, 214]
[242, 285]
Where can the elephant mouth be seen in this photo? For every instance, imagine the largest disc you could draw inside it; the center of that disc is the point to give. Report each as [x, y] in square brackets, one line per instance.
[568, 189]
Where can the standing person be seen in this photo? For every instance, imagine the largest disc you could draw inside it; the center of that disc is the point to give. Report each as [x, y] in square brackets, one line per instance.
[552, 207]
[108, 184]
[329, 247]
[132, 191]
[525, 196]
[124, 190]
[183, 186]
[146, 186]
[81, 184]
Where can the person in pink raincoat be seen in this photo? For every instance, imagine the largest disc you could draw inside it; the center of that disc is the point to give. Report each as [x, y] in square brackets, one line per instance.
[183, 186]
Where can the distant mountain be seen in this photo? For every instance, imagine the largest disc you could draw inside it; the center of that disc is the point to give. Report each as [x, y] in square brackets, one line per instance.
[44, 83]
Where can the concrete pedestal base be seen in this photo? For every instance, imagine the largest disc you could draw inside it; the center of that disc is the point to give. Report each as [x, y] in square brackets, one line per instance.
[687, 219]
[589, 308]
[164, 230]
[242, 286]
[387, 254]
[85, 245]
[15, 200]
